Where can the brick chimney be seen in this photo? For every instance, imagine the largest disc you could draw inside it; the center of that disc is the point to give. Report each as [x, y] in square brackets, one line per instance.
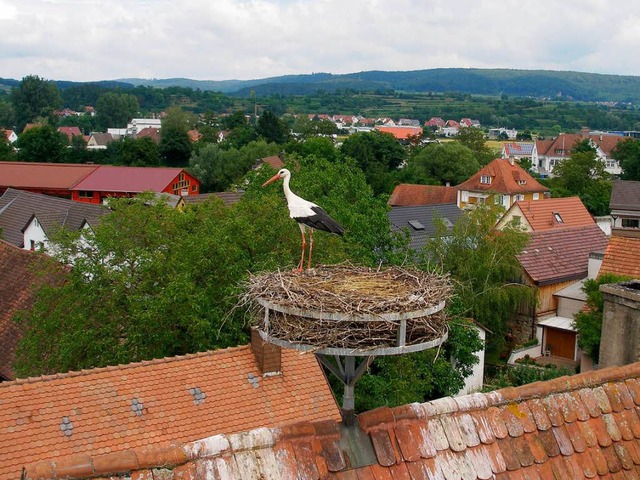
[584, 133]
[267, 354]
[620, 324]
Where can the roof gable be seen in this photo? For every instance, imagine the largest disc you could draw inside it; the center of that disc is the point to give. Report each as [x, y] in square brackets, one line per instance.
[155, 404]
[553, 256]
[17, 208]
[407, 194]
[555, 213]
[571, 427]
[506, 178]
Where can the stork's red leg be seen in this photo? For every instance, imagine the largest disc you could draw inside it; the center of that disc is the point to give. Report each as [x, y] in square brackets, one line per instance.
[310, 248]
[304, 245]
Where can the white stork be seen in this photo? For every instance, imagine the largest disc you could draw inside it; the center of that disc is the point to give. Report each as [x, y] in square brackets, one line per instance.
[306, 213]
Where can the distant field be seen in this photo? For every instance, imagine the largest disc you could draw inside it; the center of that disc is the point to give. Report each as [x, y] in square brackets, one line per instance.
[495, 144]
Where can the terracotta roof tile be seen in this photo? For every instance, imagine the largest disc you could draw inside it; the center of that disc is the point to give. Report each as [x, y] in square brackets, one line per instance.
[20, 272]
[545, 214]
[401, 133]
[406, 195]
[505, 178]
[409, 437]
[98, 404]
[559, 255]
[621, 256]
[597, 438]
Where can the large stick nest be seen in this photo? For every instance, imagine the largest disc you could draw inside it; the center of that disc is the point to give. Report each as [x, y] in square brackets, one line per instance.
[359, 296]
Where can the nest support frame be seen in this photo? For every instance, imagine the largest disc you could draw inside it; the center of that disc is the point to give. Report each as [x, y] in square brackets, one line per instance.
[349, 364]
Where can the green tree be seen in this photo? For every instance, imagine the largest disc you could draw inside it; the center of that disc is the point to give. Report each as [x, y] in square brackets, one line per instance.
[525, 374]
[318, 146]
[583, 174]
[115, 110]
[473, 139]
[378, 155]
[135, 152]
[7, 152]
[7, 118]
[588, 323]
[306, 127]
[34, 97]
[441, 163]
[217, 168]
[272, 129]
[627, 153]
[175, 146]
[42, 144]
[483, 264]
[77, 151]
[150, 281]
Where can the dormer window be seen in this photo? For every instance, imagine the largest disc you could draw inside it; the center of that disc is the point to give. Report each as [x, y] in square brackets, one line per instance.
[486, 179]
[522, 182]
[558, 217]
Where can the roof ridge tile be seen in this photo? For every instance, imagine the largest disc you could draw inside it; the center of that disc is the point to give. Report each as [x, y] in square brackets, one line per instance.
[121, 366]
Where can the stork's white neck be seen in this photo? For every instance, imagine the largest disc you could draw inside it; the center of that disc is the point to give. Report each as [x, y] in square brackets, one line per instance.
[287, 191]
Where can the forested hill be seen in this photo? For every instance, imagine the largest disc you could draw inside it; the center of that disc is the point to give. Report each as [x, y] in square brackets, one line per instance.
[533, 83]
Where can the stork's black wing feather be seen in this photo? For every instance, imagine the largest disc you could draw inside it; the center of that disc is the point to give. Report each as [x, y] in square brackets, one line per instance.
[321, 221]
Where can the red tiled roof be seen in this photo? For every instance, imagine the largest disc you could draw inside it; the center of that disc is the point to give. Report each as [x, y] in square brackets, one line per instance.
[273, 161]
[28, 175]
[194, 135]
[154, 404]
[622, 256]
[559, 255]
[541, 213]
[70, 132]
[109, 178]
[401, 133]
[152, 133]
[506, 178]
[406, 194]
[21, 271]
[584, 426]
[565, 141]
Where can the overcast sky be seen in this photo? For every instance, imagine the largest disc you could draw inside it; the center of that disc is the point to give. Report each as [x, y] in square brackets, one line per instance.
[246, 39]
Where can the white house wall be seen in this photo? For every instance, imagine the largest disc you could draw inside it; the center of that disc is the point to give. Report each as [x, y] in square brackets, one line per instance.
[474, 382]
[34, 233]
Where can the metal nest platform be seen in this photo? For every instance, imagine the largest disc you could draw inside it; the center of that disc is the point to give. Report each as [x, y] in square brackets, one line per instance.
[351, 311]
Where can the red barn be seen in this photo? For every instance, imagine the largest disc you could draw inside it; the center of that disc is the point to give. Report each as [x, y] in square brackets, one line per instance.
[109, 181]
[94, 183]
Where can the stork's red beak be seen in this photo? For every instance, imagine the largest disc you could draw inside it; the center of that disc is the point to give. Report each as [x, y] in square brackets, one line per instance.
[272, 179]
